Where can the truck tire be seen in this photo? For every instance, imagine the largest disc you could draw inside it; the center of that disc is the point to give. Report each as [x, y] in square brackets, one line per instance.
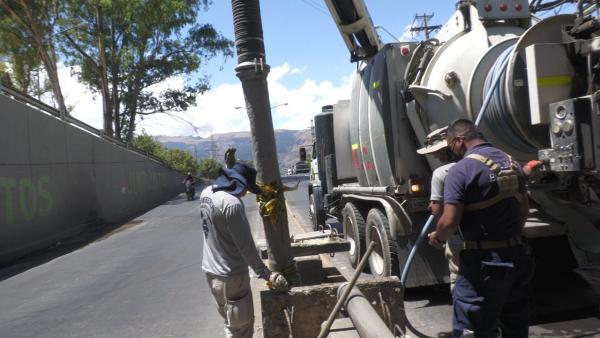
[354, 232]
[318, 216]
[384, 258]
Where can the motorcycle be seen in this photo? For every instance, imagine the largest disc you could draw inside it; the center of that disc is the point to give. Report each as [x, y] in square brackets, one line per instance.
[190, 191]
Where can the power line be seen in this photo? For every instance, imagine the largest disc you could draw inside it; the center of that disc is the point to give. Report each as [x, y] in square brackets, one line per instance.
[315, 7]
[318, 4]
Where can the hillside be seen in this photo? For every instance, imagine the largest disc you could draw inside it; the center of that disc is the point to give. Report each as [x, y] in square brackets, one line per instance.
[288, 142]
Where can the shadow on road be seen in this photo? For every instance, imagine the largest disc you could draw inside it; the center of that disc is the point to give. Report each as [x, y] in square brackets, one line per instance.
[180, 199]
[93, 232]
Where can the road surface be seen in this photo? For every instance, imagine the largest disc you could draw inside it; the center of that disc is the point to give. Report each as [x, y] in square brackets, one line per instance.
[144, 280]
[564, 300]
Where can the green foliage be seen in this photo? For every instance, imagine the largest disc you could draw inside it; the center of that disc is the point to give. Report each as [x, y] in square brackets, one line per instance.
[178, 159]
[181, 161]
[5, 78]
[28, 34]
[146, 43]
[148, 144]
[16, 50]
[209, 168]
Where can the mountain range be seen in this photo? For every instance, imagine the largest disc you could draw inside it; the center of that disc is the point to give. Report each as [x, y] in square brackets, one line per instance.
[288, 145]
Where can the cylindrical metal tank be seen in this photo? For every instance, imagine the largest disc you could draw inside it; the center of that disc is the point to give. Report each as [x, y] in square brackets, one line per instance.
[382, 142]
[462, 71]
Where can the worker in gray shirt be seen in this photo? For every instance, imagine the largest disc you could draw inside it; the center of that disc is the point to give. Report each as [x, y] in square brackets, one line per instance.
[229, 249]
[436, 146]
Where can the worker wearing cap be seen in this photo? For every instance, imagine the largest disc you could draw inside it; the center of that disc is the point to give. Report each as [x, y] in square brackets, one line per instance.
[436, 146]
[229, 249]
[485, 193]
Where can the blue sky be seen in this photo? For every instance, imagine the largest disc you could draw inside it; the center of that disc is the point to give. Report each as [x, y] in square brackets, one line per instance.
[301, 33]
[309, 62]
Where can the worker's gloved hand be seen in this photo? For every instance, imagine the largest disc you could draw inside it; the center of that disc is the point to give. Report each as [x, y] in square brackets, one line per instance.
[278, 282]
[435, 241]
[229, 157]
[530, 166]
[263, 273]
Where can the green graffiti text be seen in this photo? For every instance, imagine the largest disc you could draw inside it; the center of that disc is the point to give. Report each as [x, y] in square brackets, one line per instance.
[24, 198]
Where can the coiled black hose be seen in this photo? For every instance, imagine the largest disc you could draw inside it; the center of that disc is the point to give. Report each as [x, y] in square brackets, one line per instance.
[497, 115]
[247, 25]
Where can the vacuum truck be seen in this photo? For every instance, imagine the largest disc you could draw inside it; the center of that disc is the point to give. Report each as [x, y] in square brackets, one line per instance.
[538, 80]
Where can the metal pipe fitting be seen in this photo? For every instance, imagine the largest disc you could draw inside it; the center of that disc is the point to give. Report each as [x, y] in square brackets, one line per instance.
[363, 315]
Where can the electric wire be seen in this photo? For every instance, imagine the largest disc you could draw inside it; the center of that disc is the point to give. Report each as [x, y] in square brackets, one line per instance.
[318, 4]
[316, 8]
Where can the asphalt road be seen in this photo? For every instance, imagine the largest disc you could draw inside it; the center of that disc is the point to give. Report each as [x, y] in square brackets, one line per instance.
[564, 304]
[145, 280]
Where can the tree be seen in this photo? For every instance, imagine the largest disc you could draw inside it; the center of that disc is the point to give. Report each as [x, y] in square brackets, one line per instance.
[178, 159]
[148, 144]
[133, 46]
[28, 30]
[209, 168]
[252, 70]
[181, 161]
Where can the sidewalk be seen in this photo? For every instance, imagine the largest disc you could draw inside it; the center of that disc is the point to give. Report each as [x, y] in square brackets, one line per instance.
[259, 285]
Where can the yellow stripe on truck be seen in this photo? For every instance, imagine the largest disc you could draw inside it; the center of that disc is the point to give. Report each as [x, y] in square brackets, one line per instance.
[546, 81]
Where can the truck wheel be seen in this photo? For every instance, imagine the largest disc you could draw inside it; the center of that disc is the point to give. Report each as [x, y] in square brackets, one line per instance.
[384, 258]
[318, 211]
[354, 232]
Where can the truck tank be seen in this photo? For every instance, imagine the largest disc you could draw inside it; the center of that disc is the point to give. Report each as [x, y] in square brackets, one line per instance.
[382, 144]
[539, 79]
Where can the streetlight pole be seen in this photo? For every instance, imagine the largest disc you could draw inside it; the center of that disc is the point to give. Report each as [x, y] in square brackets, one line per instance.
[272, 107]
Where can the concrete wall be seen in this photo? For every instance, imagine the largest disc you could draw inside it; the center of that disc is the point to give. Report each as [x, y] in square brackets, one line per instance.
[56, 177]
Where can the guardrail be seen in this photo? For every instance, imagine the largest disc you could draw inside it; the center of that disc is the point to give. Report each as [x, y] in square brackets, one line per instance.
[45, 108]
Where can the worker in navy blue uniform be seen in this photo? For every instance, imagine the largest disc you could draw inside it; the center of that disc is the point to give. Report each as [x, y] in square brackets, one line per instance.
[485, 193]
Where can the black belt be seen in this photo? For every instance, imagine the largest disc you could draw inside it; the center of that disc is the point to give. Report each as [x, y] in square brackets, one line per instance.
[489, 245]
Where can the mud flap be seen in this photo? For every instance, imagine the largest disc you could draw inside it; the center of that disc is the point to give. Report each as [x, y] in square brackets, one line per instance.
[584, 237]
[430, 266]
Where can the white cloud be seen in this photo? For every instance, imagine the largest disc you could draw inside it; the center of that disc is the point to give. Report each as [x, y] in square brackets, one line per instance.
[87, 106]
[407, 35]
[215, 110]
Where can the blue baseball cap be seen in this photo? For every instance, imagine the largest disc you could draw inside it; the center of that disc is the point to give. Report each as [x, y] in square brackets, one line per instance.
[236, 179]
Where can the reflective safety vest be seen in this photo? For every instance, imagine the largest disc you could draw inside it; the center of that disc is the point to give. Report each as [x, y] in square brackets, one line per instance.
[507, 181]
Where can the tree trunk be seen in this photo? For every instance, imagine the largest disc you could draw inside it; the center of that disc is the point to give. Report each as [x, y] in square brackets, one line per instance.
[116, 101]
[252, 70]
[52, 71]
[46, 51]
[106, 107]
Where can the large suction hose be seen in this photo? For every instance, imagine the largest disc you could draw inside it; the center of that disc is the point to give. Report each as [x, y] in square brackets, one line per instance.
[497, 113]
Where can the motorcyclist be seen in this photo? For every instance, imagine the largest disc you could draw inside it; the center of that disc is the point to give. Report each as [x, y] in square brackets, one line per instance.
[189, 183]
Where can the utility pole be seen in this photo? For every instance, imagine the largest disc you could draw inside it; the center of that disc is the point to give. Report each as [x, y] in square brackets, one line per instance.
[252, 70]
[213, 146]
[423, 26]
